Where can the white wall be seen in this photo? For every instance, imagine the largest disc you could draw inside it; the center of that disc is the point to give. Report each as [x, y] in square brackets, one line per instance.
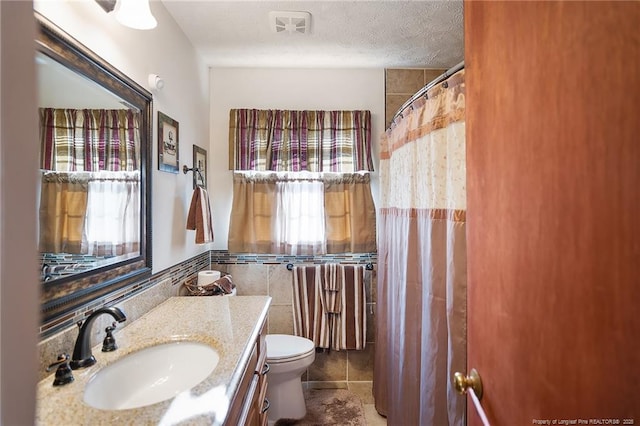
[165, 51]
[19, 289]
[273, 88]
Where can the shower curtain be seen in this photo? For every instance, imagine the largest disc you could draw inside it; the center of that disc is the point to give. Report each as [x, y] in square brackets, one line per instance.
[421, 327]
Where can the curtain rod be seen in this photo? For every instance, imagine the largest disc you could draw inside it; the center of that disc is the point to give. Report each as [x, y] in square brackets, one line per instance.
[448, 73]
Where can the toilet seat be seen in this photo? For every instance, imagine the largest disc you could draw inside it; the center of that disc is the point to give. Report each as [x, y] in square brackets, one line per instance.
[286, 348]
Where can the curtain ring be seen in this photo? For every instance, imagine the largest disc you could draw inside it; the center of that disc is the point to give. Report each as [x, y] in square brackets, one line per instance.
[445, 84]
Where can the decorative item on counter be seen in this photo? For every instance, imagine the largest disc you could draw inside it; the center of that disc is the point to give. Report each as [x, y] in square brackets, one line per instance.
[219, 287]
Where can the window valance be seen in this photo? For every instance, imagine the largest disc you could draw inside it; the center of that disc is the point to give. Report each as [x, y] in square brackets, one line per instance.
[314, 141]
[89, 140]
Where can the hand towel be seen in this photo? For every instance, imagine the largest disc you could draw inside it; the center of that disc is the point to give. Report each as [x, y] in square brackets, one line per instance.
[309, 319]
[199, 217]
[350, 329]
[332, 282]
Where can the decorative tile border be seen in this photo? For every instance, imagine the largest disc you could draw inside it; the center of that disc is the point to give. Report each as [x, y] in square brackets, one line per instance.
[187, 269]
[177, 274]
[55, 265]
[58, 336]
[224, 257]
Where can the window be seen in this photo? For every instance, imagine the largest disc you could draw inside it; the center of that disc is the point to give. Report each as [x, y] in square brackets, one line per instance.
[299, 215]
[301, 184]
[90, 193]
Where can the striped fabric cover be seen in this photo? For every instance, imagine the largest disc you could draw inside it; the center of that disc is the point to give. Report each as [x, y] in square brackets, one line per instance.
[329, 305]
[89, 139]
[315, 141]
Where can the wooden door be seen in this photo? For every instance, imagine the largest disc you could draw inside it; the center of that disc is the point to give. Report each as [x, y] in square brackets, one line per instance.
[553, 163]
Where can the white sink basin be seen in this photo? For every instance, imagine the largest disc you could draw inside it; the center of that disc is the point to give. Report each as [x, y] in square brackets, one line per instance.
[150, 375]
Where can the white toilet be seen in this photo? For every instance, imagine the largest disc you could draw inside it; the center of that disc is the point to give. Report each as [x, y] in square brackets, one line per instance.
[288, 357]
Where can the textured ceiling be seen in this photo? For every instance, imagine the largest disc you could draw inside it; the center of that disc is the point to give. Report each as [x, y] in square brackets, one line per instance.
[343, 34]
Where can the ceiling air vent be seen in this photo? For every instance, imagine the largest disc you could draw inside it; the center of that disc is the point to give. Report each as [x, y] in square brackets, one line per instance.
[290, 22]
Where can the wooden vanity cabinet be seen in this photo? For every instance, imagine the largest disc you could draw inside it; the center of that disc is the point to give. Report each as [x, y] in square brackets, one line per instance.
[250, 405]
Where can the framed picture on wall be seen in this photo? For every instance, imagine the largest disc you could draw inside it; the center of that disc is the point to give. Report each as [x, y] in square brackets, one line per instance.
[199, 162]
[167, 143]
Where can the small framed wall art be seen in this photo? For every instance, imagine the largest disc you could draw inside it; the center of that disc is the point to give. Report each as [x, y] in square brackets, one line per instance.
[199, 162]
[168, 143]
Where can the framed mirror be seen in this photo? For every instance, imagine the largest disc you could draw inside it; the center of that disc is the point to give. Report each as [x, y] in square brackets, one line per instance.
[95, 174]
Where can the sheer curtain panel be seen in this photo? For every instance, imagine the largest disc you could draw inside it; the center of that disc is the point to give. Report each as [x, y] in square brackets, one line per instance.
[113, 206]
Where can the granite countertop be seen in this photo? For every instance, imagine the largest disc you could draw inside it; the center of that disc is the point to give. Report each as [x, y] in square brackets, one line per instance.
[229, 324]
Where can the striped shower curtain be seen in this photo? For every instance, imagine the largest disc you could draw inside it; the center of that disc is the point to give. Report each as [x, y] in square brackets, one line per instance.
[421, 327]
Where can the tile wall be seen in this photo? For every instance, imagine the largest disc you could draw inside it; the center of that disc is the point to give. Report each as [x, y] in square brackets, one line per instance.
[268, 275]
[253, 275]
[402, 83]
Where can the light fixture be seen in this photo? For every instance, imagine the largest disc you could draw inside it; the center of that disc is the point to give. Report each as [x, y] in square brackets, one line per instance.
[107, 5]
[155, 82]
[135, 14]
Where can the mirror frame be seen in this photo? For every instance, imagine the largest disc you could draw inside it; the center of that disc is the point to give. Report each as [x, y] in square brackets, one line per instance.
[65, 295]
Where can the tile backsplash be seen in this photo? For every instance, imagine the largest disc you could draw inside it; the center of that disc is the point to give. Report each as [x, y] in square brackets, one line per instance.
[58, 336]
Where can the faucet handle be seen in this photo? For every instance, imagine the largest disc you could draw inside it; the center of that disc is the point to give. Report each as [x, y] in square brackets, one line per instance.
[109, 342]
[64, 374]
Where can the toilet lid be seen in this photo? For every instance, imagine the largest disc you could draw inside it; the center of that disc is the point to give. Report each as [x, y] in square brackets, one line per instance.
[281, 346]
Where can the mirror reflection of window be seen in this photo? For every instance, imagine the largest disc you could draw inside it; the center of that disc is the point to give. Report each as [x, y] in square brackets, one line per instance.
[90, 168]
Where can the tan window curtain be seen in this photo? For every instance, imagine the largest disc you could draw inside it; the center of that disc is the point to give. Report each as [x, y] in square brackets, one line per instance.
[251, 214]
[262, 200]
[350, 215]
[63, 204]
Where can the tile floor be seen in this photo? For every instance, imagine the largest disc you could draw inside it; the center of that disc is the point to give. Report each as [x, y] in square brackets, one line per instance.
[363, 390]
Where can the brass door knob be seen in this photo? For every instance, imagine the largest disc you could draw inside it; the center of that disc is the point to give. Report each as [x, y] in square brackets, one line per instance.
[473, 381]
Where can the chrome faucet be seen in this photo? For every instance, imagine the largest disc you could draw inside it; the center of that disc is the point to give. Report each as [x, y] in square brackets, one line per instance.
[82, 356]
